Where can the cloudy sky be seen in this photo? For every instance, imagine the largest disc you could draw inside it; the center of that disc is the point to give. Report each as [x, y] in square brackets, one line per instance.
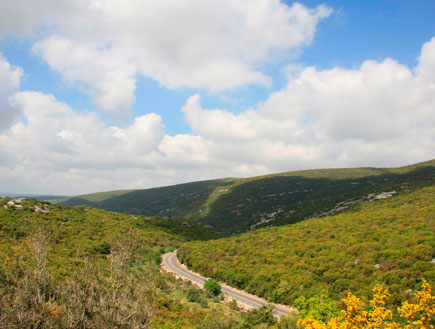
[111, 94]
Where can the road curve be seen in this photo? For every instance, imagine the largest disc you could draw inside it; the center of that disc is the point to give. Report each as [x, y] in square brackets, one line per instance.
[170, 263]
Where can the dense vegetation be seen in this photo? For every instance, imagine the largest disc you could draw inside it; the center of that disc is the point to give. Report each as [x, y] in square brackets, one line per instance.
[388, 241]
[78, 267]
[356, 315]
[238, 205]
[171, 201]
[85, 232]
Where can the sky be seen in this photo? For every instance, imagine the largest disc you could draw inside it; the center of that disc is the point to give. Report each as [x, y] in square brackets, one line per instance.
[100, 95]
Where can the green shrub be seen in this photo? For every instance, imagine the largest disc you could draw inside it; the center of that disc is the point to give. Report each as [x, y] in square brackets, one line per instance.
[213, 287]
[193, 295]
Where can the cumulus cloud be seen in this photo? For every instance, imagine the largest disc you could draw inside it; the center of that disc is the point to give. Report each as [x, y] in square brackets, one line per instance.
[104, 74]
[216, 45]
[426, 68]
[23, 17]
[55, 133]
[381, 114]
[9, 80]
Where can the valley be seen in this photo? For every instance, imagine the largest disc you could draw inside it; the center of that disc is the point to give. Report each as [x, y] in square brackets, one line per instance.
[306, 240]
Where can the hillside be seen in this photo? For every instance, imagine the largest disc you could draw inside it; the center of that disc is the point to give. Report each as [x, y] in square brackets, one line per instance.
[239, 205]
[78, 267]
[81, 259]
[386, 241]
[87, 232]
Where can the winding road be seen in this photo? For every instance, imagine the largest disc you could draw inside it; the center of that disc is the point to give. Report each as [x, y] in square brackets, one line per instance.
[170, 263]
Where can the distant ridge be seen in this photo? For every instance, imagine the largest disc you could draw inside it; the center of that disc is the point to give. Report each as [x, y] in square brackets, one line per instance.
[235, 205]
[40, 197]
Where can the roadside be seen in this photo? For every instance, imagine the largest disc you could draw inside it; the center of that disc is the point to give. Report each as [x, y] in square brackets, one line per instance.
[244, 300]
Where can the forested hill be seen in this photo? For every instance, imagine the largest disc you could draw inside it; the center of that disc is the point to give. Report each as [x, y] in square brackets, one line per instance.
[319, 260]
[78, 267]
[87, 232]
[239, 205]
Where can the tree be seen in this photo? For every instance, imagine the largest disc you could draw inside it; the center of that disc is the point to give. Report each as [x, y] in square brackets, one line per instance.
[213, 287]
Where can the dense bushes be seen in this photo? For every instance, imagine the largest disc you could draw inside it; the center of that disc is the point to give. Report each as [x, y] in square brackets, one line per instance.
[78, 267]
[235, 205]
[98, 295]
[390, 241]
[356, 316]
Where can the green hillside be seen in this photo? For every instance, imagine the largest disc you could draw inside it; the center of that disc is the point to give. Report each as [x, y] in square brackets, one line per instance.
[386, 241]
[78, 267]
[87, 232]
[70, 267]
[181, 200]
[239, 205]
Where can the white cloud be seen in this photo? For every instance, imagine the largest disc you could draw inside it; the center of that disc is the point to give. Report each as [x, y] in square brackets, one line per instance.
[216, 45]
[9, 80]
[23, 17]
[426, 69]
[381, 114]
[104, 74]
[55, 137]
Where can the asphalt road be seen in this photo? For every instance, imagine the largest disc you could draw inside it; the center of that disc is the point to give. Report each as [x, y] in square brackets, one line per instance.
[171, 263]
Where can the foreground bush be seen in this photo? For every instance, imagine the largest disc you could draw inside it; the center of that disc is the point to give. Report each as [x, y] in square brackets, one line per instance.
[420, 315]
[98, 295]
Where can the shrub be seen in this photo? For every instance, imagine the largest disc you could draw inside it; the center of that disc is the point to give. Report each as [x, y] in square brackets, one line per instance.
[213, 287]
[419, 315]
[193, 295]
[98, 295]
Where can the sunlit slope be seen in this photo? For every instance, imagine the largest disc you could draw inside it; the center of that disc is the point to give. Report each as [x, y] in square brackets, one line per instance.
[77, 232]
[292, 197]
[171, 201]
[387, 241]
[90, 198]
[238, 205]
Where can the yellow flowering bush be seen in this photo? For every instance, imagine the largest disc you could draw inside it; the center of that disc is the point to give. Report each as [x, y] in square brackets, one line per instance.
[420, 315]
[354, 316]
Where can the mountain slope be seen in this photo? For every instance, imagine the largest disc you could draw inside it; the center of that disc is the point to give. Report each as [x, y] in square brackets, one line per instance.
[238, 205]
[78, 267]
[387, 241]
[86, 232]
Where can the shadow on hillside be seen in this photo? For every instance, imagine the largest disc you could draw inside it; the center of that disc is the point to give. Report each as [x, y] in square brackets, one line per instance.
[283, 200]
[268, 200]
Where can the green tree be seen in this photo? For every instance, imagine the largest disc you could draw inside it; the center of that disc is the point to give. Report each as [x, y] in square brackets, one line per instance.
[213, 287]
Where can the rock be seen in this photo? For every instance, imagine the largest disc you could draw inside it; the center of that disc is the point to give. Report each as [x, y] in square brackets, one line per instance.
[381, 196]
[40, 210]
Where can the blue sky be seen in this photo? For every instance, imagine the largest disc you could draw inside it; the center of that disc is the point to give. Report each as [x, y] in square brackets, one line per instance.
[355, 31]
[212, 96]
